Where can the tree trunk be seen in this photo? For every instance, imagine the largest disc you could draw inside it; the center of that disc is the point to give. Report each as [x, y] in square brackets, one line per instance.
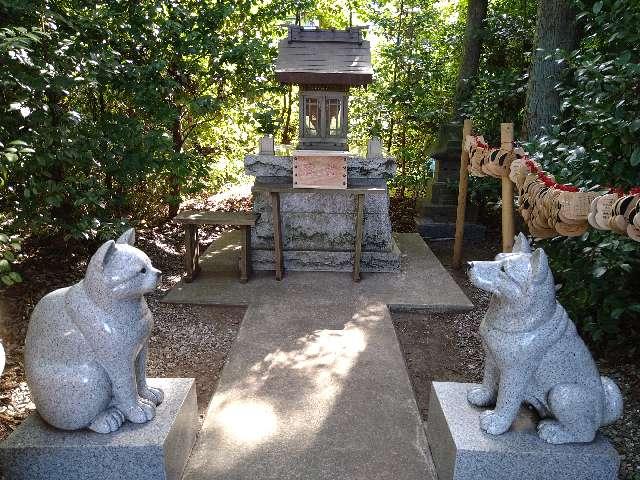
[555, 29]
[449, 133]
[476, 14]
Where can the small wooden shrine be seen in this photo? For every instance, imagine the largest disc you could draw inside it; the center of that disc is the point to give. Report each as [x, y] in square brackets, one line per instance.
[323, 208]
[324, 63]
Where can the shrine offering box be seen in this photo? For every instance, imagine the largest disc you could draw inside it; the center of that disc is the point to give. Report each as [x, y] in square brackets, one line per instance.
[319, 169]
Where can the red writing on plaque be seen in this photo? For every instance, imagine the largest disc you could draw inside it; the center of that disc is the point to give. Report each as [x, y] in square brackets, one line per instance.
[319, 171]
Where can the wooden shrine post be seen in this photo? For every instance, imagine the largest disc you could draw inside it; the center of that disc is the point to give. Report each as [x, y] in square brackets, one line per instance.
[508, 225]
[462, 197]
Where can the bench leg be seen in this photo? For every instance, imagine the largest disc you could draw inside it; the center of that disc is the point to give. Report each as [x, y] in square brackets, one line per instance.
[191, 253]
[277, 234]
[245, 254]
[359, 235]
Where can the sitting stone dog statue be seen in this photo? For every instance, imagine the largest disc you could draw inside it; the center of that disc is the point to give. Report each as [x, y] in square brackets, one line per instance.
[86, 346]
[534, 354]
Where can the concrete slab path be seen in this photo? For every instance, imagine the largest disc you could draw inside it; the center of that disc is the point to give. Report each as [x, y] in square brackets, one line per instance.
[315, 387]
[313, 392]
[422, 284]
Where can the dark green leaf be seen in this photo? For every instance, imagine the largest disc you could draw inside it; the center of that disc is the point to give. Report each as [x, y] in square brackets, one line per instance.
[599, 271]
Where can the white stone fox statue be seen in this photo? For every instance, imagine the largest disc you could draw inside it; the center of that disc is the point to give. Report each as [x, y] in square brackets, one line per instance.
[86, 346]
[534, 354]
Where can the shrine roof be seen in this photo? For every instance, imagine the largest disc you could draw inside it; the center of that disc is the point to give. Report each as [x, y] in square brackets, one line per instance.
[315, 56]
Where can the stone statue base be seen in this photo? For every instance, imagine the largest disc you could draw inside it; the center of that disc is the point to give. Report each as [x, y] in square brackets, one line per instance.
[461, 451]
[149, 451]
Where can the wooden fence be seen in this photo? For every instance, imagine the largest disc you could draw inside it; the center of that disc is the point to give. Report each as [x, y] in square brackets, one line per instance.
[549, 208]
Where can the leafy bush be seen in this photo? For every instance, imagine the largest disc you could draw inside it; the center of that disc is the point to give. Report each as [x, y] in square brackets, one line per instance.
[114, 105]
[267, 117]
[9, 247]
[598, 279]
[596, 144]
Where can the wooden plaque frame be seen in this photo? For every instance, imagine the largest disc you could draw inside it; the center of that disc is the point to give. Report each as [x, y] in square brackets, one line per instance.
[322, 170]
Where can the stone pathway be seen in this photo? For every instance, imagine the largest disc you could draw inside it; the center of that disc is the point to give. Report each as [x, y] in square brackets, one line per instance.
[313, 393]
[315, 386]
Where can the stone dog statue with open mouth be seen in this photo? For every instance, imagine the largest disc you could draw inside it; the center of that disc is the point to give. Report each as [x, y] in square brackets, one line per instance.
[534, 354]
[86, 346]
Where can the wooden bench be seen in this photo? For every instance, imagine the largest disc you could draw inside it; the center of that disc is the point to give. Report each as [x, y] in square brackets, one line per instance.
[192, 220]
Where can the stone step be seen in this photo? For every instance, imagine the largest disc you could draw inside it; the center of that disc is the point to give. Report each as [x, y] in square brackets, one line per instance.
[313, 392]
[430, 230]
[329, 261]
[444, 213]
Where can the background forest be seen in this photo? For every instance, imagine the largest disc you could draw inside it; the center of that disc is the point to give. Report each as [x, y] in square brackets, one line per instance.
[114, 112]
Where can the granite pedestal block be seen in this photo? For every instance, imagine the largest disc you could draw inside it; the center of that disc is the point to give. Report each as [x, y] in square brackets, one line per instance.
[461, 451]
[157, 450]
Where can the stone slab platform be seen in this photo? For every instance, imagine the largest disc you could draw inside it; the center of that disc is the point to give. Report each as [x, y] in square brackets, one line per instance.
[461, 451]
[313, 392]
[422, 283]
[157, 450]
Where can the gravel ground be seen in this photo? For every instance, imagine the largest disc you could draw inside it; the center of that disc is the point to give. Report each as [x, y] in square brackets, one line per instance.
[187, 340]
[447, 347]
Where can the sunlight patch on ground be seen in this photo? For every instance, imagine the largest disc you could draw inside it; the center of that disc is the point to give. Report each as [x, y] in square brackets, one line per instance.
[248, 421]
[287, 396]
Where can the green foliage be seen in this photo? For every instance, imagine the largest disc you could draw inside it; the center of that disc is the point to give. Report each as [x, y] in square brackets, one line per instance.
[500, 89]
[598, 277]
[267, 118]
[595, 145]
[597, 141]
[9, 249]
[416, 66]
[112, 112]
[114, 105]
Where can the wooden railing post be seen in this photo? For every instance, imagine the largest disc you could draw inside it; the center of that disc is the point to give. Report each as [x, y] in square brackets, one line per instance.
[462, 197]
[508, 223]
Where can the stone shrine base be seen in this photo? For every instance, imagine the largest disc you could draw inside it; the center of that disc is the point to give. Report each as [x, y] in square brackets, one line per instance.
[461, 451]
[157, 450]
